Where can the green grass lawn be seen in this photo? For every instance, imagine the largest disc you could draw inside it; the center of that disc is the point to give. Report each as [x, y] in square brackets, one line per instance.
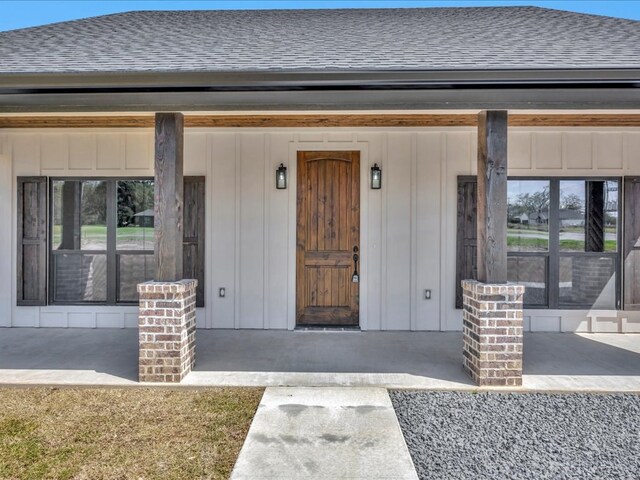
[542, 244]
[529, 243]
[578, 245]
[92, 234]
[135, 433]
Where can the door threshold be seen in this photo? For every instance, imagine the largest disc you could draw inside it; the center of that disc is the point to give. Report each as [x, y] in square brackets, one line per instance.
[326, 328]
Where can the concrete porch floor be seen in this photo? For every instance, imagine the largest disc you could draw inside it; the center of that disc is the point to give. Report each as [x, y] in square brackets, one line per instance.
[431, 360]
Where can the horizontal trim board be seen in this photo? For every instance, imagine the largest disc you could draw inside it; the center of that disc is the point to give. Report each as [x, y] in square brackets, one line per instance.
[53, 121]
[597, 97]
[575, 120]
[310, 77]
[319, 120]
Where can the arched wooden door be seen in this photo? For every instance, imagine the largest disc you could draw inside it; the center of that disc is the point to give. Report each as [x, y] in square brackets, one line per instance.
[328, 238]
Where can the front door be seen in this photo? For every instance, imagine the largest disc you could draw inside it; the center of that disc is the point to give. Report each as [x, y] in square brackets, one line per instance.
[328, 238]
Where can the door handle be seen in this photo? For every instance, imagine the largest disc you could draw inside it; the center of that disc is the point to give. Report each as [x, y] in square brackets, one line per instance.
[355, 278]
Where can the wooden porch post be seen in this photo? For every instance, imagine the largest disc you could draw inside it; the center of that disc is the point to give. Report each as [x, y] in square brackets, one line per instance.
[167, 312]
[492, 196]
[168, 201]
[492, 316]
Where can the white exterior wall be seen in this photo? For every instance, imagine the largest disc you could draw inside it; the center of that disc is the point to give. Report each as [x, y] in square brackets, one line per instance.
[408, 229]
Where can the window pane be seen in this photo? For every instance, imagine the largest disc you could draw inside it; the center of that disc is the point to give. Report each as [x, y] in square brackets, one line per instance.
[79, 215]
[572, 215]
[133, 269]
[611, 192]
[80, 278]
[588, 215]
[528, 216]
[532, 273]
[587, 281]
[135, 215]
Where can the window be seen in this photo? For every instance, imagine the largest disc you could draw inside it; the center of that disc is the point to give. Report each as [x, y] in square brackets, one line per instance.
[563, 241]
[101, 239]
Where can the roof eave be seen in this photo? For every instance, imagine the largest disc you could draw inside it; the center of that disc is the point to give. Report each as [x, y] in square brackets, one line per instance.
[312, 78]
[517, 98]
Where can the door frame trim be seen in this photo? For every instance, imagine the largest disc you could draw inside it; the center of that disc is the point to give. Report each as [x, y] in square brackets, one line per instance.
[320, 144]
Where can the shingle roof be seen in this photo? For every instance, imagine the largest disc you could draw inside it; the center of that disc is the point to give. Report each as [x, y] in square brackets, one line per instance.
[321, 40]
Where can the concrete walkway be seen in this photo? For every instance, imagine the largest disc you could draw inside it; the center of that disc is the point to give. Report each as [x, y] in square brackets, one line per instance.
[429, 360]
[324, 433]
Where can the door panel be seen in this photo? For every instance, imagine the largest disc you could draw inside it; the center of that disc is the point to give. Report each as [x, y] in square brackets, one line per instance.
[328, 229]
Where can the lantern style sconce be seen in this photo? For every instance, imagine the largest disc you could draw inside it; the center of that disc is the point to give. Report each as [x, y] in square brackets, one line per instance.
[376, 177]
[281, 177]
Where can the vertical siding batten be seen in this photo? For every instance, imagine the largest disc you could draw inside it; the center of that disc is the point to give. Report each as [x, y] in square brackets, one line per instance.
[442, 278]
[266, 321]
[364, 265]
[6, 189]
[292, 233]
[209, 225]
[238, 231]
[384, 310]
[413, 260]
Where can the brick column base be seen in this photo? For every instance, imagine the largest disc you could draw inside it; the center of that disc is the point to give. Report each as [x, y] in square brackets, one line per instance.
[167, 330]
[492, 331]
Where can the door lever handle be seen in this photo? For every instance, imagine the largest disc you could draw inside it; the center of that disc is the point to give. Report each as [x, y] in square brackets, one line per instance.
[355, 278]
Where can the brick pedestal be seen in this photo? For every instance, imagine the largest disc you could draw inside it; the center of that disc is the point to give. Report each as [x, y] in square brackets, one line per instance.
[492, 331]
[167, 327]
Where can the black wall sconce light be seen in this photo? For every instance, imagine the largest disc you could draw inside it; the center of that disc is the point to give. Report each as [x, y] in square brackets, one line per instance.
[281, 177]
[376, 177]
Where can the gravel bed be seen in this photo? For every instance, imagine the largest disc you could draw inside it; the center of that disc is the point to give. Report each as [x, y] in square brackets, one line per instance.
[453, 435]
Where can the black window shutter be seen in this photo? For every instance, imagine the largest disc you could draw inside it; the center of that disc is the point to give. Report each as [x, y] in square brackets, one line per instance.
[193, 239]
[32, 241]
[466, 243]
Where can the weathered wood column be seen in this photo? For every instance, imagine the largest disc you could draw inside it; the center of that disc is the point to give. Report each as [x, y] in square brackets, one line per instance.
[492, 196]
[167, 317]
[492, 316]
[168, 196]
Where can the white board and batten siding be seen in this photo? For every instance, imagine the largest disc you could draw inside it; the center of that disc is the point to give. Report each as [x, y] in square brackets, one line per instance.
[69, 153]
[408, 228]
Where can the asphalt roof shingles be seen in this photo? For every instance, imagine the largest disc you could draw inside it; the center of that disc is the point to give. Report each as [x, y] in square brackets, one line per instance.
[322, 40]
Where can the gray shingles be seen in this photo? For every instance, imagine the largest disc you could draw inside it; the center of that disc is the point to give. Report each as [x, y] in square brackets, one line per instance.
[358, 39]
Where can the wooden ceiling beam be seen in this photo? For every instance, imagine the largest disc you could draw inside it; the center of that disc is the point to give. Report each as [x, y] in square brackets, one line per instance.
[322, 120]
